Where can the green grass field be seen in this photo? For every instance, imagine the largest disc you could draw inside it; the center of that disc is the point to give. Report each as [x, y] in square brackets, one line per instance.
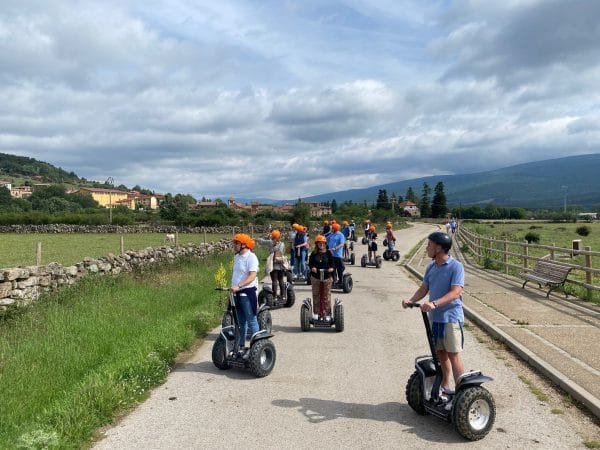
[66, 249]
[81, 356]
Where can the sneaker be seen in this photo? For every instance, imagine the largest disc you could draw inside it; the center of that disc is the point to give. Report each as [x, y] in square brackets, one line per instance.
[328, 318]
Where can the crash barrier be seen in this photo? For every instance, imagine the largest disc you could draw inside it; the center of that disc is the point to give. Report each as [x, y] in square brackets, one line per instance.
[514, 258]
[22, 286]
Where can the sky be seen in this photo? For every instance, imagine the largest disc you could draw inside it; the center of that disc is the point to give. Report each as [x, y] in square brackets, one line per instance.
[285, 99]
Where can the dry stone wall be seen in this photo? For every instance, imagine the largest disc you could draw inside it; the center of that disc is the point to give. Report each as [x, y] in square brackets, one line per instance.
[21, 286]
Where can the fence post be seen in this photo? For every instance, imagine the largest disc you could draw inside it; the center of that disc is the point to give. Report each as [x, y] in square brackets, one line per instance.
[505, 256]
[204, 232]
[38, 254]
[588, 273]
[122, 244]
[552, 252]
[525, 254]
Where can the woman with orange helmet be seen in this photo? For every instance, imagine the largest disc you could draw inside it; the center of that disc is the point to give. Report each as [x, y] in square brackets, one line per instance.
[321, 258]
[372, 243]
[244, 284]
[390, 237]
[301, 251]
[276, 263]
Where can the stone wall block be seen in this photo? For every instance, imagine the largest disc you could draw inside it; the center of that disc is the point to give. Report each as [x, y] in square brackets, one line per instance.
[28, 282]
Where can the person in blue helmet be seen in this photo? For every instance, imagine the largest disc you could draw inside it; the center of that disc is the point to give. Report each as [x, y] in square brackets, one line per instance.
[444, 281]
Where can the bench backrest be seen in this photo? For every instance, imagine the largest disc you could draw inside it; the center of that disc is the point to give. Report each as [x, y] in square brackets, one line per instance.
[551, 270]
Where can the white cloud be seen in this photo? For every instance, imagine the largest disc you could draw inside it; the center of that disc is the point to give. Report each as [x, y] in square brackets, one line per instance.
[289, 99]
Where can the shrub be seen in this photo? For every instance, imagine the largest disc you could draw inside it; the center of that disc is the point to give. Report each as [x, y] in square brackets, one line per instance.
[583, 230]
[532, 237]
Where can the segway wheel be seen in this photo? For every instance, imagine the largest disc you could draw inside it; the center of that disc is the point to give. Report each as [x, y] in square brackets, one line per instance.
[351, 246]
[262, 298]
[378, 262]
[339, 318]
[386, 255]
[265, 322]
[291, 296]
[352, 259]
[227, 319]
[473, 412]
[385, 242]
[262, 358]
[395, 255]
[365, 241]
[347, 284]
[304, 318]
[363, 261]
[219, 354]
[414, 393]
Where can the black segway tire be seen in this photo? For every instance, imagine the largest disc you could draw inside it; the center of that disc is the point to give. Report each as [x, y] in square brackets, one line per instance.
[227, 319]
[378, 262]
[263, 298]
[265, 322]
[262, 358]
[291, 297]
[363, 261]
[385, 242]
[219, 354]
[395, 256]
[352, 259]
[347, 284]
[364, 241]
[473, 412]
[414, 393]
[386, 255]
[304, 318]
[339, 318]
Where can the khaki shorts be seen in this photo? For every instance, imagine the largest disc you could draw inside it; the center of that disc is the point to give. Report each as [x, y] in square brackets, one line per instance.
[452, 341]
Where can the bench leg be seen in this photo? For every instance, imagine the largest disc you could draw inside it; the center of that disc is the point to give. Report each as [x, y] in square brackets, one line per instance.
[523, 287]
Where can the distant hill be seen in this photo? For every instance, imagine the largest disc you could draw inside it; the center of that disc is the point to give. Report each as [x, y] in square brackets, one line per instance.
[532, 185]
[23, 167]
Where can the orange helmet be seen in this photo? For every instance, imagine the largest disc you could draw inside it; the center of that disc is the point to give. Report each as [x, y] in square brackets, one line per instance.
[320, 238]
[275, 234]
[335, 227]
[388, 225]
[372, 228]
[345, 223]
[297, 227]
[244, 239]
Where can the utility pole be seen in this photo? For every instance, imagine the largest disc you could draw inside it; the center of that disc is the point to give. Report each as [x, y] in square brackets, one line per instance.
[566, 188]
[110, 182]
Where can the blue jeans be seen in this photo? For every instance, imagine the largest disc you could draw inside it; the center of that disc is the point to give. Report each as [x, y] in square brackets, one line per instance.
[246, 315]
[300, 263]
[391, 243]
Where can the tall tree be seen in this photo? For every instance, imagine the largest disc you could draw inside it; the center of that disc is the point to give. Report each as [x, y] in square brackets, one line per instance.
[438, 203]
[382, 200]
[411, 196]
[424, 204]
[333, 206]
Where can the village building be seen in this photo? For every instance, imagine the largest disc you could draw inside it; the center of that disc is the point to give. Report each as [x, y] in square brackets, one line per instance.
[409, 208]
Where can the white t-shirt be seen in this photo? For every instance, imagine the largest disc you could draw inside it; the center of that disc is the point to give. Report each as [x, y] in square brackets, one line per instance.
[243, 264]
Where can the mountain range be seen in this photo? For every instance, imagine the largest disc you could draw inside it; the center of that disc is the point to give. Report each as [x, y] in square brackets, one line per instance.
[551, 183]
[574, 180]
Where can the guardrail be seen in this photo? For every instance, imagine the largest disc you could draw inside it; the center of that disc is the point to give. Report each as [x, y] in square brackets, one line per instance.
[513, 257]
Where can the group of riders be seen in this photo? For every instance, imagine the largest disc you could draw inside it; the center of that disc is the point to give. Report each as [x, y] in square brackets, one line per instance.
[331, 248]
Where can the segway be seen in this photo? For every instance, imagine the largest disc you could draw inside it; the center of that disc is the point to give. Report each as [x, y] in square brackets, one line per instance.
[265, 321]
[471, 409]
[346, 285]
[349, 254]
[265, 296]
[321, 320]
[394, 255]
[259, 358]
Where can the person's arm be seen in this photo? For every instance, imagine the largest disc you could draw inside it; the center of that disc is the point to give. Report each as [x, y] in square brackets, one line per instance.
[454, 293]
[418, 295]
[245, 282]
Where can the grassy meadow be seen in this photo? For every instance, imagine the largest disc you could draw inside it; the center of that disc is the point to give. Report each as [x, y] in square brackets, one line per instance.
[550, 234]
[20, 249]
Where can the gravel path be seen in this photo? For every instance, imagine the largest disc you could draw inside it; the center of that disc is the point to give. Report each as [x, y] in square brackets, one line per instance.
[334, 390]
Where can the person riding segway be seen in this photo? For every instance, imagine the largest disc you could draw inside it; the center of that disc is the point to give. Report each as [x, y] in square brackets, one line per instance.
[277, 269]
[317, 312]
[372, 259]
[390, 243]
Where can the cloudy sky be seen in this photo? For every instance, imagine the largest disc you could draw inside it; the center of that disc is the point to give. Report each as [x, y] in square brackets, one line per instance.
[285, 99]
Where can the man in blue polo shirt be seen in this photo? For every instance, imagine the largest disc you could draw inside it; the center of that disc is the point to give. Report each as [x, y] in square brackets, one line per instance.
[335, 244]
[444, 281]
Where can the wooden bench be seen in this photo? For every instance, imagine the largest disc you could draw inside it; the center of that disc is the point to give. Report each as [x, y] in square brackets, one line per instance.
[547, 273]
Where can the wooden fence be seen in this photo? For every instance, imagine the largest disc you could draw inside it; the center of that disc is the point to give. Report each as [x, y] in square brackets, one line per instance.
[513, 258]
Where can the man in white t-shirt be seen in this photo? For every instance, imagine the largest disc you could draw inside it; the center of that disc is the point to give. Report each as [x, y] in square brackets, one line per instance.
[244, 284]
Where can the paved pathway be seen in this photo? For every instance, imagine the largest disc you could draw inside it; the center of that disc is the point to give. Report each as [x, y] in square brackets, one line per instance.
[333, 390]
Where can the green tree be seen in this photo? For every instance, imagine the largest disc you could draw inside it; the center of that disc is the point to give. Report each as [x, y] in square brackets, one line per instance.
[424, 204]
[382, 200]
[300, 213]
[5, 198]
[438, 203]
[411, 196]
[334, 206]
[173, 208]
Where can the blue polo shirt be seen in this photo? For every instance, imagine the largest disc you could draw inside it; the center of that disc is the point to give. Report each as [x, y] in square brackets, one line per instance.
[333, 240]
[439, 280]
